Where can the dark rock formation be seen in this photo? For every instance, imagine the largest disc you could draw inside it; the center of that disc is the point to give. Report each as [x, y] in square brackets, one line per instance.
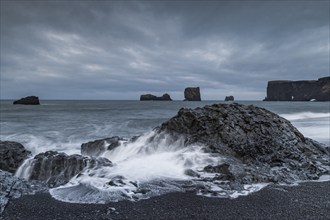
[58, 168]
[98, 147]
[149, 97]
[305, 90]
[12, 155]
[258, 145]
[223, 170]
[30, 100]
[192, 94]
[229, 98]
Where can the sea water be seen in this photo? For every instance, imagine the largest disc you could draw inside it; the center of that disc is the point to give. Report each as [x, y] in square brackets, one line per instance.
[64, 125]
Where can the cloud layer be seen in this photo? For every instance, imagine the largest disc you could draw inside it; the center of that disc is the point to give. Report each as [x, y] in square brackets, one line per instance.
[119, 50]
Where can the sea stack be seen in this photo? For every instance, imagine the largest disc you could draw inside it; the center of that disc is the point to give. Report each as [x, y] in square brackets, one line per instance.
[29, 100]
[192, 94]
[149, 97]
[304, 90]
[229, 98]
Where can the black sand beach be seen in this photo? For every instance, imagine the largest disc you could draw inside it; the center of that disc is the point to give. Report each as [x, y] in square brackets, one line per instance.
[306, 201]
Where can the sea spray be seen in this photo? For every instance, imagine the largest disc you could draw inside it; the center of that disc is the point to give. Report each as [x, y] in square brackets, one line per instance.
[149, 166]
[25, 170]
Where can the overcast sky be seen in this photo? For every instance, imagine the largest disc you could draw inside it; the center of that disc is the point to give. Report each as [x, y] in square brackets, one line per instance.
[119, 50]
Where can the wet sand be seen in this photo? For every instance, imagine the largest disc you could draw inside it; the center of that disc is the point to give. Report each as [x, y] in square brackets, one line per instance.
[306, 201]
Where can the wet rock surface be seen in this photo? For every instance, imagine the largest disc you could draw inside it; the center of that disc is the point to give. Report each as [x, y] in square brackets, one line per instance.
[98, 147]
[12, 155]
[29, 100]
[255, 144]
[58, 168]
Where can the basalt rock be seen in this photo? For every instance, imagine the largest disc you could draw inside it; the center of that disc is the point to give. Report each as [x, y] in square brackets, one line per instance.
[29, 100]
[304, 90]
[255, 144]
[149, 97]
[98, 147]
[12, 155]
[58, 168]
[229, 98]
[192, 94]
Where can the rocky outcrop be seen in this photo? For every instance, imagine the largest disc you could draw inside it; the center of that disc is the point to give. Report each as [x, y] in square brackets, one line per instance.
[229, 98]
[98, 147]
[149, 97]
[12, 155]
[58, 168]
[256, 144]
[305, 90]
[192, 94]
[30, 100]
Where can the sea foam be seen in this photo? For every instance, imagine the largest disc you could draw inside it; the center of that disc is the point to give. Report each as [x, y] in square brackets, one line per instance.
[141, 169]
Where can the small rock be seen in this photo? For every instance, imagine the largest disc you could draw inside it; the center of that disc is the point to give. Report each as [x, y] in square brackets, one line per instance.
[29, 100]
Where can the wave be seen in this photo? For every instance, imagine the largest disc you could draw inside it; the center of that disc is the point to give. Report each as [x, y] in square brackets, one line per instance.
[305, 115]
[311, 124]
[43, 142]
[141, 169]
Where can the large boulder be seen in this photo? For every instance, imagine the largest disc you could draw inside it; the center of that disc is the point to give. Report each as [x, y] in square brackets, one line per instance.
[256, 144]
[58, 168]
[29, 100]
[98, 147]
[192, 94]
[149, 97]
[12, 155]
[304, 90]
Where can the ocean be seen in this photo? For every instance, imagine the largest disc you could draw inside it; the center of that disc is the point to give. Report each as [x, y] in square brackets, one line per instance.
[63, 125]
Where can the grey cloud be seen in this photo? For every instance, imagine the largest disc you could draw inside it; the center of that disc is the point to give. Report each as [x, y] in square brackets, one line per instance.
[118, 50]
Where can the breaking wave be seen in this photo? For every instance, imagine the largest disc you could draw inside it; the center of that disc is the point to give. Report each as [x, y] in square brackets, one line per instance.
[305, 115]
[311, 124]
[141, 169]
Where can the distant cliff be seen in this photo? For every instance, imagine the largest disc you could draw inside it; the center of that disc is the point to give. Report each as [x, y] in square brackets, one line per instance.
[149, 97]
[304, 90]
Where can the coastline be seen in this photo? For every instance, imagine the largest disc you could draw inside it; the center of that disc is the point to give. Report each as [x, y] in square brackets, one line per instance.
[310, 200]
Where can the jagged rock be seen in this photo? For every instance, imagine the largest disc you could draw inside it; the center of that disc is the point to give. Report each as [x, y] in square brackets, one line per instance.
[12, 155]
[304, 90]
[229, 98]
[192, 94]
[190, 172]
[259, 145]
[29, 100]
[222, 169]
[58, 168]
[98, 147]
[149, 97]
